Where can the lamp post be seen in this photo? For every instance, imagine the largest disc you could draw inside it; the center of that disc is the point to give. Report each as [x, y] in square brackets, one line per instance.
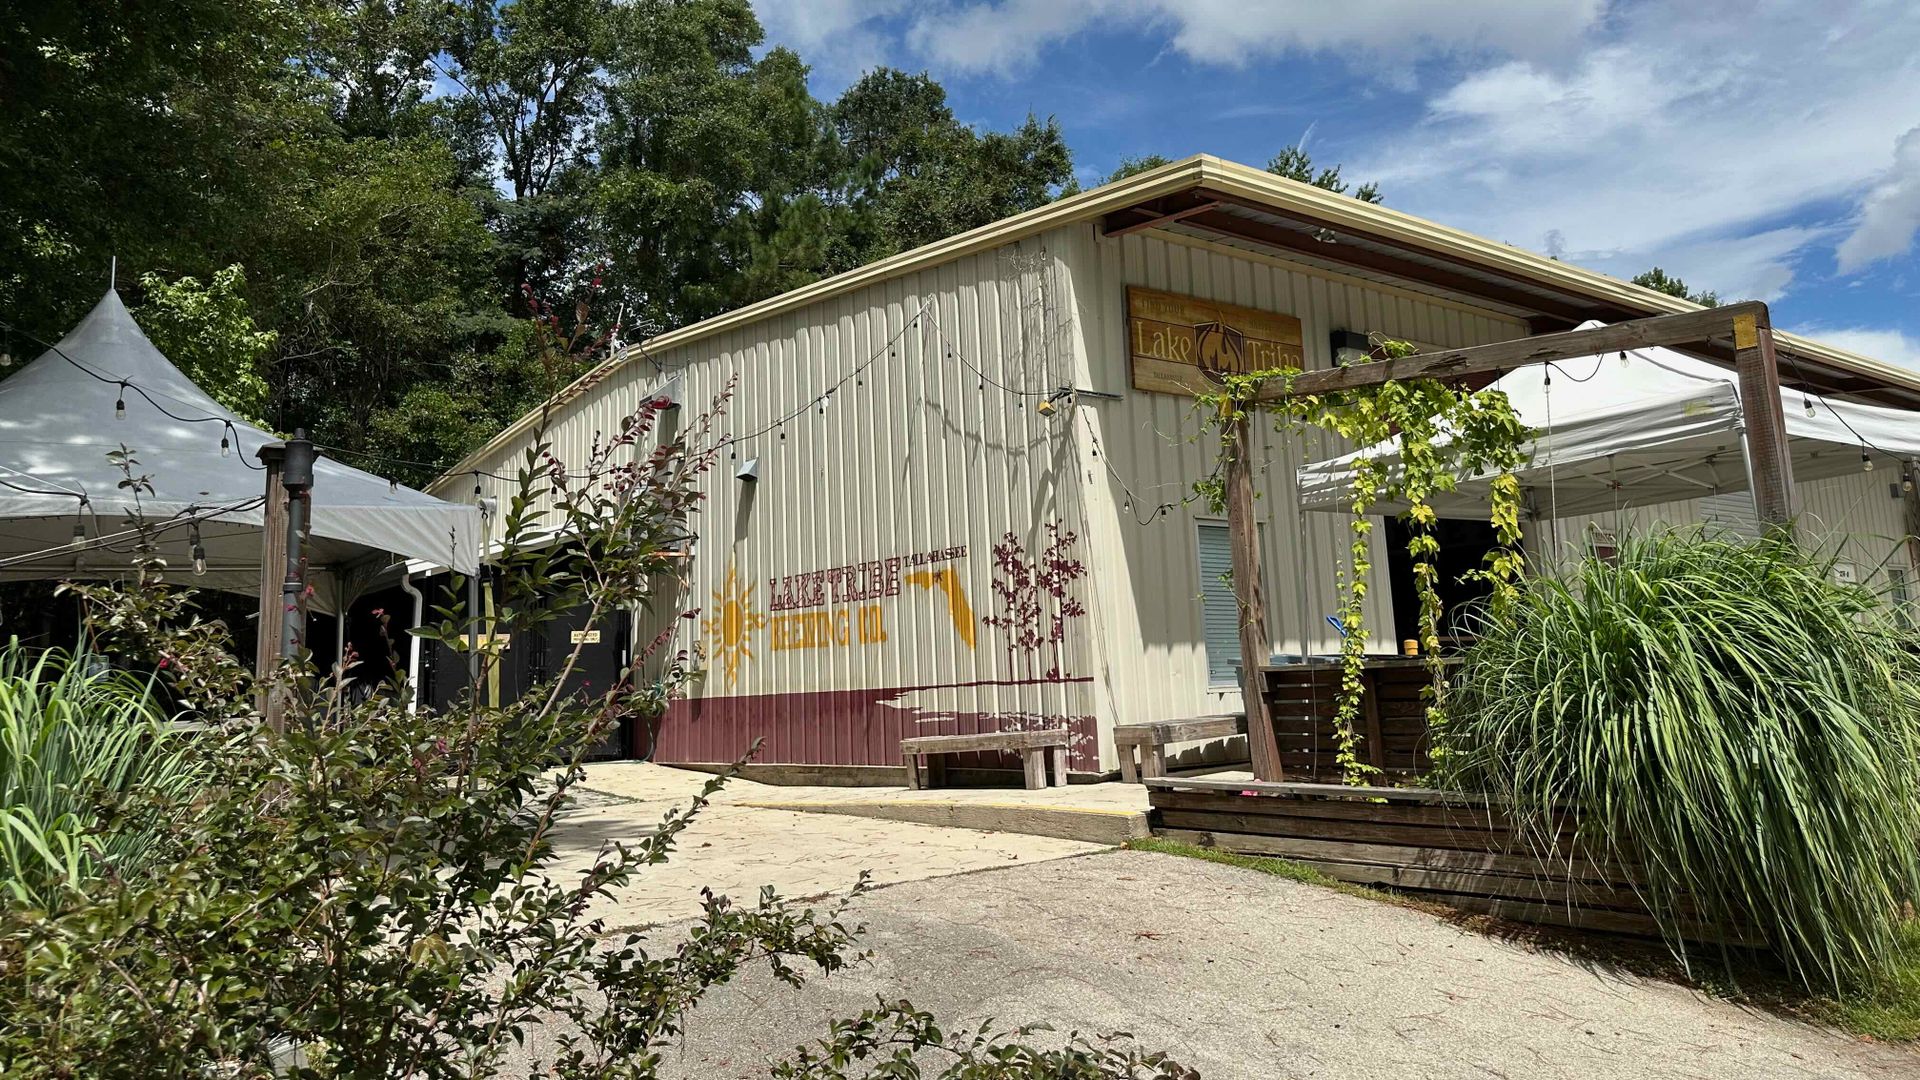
[296, 476]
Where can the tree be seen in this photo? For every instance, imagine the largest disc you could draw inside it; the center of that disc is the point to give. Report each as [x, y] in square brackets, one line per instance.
[147, 132]
[710, 160]
[389, 174]
[1130, 166]
[1295, 164]
[918, 174]
[209, 334]
[1659, 281]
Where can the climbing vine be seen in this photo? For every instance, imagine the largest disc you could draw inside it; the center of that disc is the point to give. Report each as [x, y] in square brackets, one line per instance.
[1442, 433]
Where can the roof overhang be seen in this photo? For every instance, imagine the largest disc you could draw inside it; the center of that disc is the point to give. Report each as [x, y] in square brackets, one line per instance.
[1221, 201]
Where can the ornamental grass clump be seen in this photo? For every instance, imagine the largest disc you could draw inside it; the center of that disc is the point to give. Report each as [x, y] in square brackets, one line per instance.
[1726, 718]
[75, 738]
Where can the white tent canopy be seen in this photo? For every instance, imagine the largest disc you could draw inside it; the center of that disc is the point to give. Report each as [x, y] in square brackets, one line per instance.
[58, 425]
[1657, 427]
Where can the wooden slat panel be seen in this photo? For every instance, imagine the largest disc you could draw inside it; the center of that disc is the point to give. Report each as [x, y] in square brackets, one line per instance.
[1324, 829]
[1329, 791]
[1302, 847]
[1453, 817]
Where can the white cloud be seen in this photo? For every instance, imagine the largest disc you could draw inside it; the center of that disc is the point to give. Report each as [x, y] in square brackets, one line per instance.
[840, 38]
[1757, 266]
[1890, 214]
[1677, 134]
[1893, 346]
[1008, 36]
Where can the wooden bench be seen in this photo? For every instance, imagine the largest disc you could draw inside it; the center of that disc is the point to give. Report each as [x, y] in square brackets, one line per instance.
[1033, 746]
[1152, 739]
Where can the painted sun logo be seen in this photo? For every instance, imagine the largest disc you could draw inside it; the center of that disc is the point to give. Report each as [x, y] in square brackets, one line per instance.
[730, 628]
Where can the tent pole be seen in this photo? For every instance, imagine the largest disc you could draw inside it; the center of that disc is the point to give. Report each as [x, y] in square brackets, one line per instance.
[414, 643]
[473, 629]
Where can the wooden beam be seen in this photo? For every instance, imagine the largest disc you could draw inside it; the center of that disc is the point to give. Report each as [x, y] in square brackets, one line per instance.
[1250, 597]
[1351, 255]
[1769, 466]
[1691, 326]
[1162, 219]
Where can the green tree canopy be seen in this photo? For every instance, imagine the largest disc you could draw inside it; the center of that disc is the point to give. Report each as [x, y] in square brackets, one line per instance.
[1660, 281]
[359, 197]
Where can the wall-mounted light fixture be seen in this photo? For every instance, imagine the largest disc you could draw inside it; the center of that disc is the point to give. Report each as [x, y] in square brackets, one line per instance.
[1350, 347]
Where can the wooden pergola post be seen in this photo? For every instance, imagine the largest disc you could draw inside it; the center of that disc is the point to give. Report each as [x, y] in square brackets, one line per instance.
[1769, 462]
[1250, 596]
[1755, 365]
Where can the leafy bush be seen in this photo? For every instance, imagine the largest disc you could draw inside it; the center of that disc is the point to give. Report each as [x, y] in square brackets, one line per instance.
[374, 892]
[1727, 718]
[74, 739]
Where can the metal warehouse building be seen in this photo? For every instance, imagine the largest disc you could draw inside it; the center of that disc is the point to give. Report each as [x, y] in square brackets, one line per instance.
[970, 463]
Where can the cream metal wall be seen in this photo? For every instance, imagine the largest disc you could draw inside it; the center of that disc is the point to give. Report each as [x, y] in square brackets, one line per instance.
[935, 444]
[1147, 599]
[923, 454]
[1857, 519]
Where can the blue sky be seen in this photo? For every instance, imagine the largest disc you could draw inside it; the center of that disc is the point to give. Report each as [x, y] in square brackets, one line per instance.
[1767, 150]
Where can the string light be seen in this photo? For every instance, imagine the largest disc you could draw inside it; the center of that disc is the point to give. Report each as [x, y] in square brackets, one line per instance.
[79, 534]
[199, 552]
[120, 403]
[1808, 402]
[1906, 480]
[1866, 462]
[1623, 358]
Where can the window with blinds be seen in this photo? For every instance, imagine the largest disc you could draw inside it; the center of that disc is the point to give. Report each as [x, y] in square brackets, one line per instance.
[1219, 615]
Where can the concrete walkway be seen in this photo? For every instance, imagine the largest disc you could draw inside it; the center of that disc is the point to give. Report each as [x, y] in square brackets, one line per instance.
[736, 846]
[1240, 974]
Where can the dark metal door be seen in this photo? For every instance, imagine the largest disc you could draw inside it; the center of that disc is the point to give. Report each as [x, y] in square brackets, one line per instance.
[602, 663]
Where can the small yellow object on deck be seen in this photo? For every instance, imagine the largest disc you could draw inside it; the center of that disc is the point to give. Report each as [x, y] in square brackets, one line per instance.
[1410, 647]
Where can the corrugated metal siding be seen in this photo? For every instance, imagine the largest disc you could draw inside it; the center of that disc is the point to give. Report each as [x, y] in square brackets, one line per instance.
[922, 454]
[1855, 518]
[1148, 601]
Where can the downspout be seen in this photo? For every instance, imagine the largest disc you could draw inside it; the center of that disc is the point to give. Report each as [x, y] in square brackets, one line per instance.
[414, 644]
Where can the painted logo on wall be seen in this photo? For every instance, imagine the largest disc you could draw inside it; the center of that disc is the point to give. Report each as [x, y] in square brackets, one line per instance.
[729, 630]
[850, 606]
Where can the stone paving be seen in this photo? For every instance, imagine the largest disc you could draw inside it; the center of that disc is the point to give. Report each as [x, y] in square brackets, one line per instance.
[736, 848]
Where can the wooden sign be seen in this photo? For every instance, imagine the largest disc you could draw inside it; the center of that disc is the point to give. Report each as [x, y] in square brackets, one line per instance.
[1183, 344]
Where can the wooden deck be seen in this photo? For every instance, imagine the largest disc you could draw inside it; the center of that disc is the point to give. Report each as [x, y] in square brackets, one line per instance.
[1456, 849]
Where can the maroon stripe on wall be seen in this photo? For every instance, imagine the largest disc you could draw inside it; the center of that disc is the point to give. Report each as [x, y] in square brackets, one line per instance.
[843, 727]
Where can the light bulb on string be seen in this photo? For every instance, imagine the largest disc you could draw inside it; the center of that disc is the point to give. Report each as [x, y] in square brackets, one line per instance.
[79, 534]
[1906, 480]
[1866, 462]
[1623, 358]
[1808, 402]
[199, 552]
[226, 441]
[120, 404]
